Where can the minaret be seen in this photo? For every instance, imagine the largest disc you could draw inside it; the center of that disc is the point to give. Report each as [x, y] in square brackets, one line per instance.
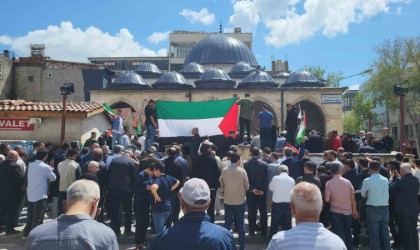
[221, 27]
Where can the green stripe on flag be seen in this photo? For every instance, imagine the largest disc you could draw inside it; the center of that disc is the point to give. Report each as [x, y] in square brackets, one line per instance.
[110, 110]
[193, 110]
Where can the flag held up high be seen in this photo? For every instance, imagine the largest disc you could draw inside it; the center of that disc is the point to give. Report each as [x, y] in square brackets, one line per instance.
[302, 129]
[210, 117]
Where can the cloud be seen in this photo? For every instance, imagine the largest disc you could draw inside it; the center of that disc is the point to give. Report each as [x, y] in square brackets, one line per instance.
[203, 16]
[65, 42]
[158, 37]
[285, 25]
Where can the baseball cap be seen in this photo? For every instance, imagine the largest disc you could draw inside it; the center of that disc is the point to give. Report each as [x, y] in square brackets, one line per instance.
[195, 193]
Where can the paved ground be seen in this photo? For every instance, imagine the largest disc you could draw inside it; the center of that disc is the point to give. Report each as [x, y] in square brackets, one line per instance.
[15, 242]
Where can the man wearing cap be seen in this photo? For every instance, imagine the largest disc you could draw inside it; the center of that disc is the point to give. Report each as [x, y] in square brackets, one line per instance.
[194, 230]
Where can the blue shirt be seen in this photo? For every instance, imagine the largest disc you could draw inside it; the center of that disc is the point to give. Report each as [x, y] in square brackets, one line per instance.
[194, 231]
[265, 118]
[72, 232]
[306, 235]
[375, 188]
[165, 183]
[39, 174]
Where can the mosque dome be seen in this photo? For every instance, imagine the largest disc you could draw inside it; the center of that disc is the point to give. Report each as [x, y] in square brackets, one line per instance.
[129, 80]
[241, 68]
[172, 80]
[148, 69]
[214, 78]
[220, 49]
[192, 69]
[302, 79]
[258, 80]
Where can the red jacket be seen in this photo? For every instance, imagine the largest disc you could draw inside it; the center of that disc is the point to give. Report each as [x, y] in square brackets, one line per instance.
[336, 143]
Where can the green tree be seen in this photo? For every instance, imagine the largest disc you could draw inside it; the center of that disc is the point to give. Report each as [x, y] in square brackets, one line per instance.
[397, 61]
[331, 79]
[351, 122]
[363, 110]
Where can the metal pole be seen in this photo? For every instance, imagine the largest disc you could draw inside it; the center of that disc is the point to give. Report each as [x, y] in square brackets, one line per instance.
[402, 125]
[63, 118]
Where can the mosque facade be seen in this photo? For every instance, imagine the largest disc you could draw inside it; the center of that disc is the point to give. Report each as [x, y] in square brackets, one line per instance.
[219, 67]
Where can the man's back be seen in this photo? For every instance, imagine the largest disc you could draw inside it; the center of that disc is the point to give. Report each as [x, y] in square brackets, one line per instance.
[194, 231]
[121, 174]
[72, 232]
[306, 235]
[234, 182]
[256, 170]
[315, 144]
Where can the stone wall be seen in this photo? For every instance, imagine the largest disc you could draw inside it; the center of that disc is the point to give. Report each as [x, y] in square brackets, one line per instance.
[6, 77]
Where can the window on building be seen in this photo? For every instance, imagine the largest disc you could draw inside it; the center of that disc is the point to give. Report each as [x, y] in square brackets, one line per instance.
[351, 102]
[49, 76]
[182, 50]
[31, 78]
[394, 132]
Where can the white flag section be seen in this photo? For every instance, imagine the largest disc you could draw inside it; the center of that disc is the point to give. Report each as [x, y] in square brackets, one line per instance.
[174, 128]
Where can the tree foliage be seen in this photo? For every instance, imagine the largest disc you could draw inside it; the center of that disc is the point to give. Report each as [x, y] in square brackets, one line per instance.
[331, 79]
[397, 62]
[363, 110]
[351, 122]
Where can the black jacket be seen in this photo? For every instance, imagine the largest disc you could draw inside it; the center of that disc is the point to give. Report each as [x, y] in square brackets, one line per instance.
[309, 178]
[315, 144]
[354, 178]
[291, 118]
[205, 167]
[121, 174]
[11, 179]
[257, 171]
[173, 170]
[406, 190]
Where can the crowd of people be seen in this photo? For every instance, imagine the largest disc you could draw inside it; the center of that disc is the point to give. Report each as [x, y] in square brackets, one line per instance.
[116, 175]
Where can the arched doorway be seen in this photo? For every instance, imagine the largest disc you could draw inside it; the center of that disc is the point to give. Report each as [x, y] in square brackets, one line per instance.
[315, 118]
[257, 109]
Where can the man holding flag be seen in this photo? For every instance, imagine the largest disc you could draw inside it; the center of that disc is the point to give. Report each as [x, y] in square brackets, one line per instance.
[117, 128]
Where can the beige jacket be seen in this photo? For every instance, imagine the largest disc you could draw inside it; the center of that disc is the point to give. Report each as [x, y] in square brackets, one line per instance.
[234, 184]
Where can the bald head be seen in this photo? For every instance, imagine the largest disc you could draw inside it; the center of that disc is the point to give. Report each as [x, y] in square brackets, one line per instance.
[306, 202]
[12, 155]
[93, 167]
[94, 145]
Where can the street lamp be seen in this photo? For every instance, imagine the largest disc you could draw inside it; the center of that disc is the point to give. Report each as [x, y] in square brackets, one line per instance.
[66, 89]
[401, 91]
[366, 71]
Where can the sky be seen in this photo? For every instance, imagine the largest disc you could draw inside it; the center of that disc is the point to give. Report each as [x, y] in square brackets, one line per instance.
[340, 35]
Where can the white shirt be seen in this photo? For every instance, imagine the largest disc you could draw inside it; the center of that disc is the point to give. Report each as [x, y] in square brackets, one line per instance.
[125, 141]
[256, 141]
[110, 158]
[142, 140]
[39, 174]
[281, 185]
[281, 160]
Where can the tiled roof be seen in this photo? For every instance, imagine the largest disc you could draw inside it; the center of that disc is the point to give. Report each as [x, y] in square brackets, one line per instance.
[22, 105]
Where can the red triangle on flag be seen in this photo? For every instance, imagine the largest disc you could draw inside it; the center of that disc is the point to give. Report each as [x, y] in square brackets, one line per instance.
[230, 121]
[293, 148]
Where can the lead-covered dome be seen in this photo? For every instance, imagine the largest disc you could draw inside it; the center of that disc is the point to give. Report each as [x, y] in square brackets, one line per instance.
[129, 80]
[148, 69]
[214, 78]
[220, 49]
[302, 79]
[192, 69]
[258, 80]
[241, 68]
[172, 80]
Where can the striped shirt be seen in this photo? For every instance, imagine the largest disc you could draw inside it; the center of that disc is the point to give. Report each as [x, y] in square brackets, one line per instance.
[306, 235]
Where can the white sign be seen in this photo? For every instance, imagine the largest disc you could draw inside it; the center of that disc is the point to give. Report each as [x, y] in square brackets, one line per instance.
[331, 99]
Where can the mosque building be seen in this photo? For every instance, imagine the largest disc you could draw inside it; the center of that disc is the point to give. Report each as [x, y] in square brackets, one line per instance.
[218, 67]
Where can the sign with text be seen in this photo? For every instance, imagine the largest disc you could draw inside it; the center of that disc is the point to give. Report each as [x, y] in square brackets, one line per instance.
[331, 99]
[16, 124]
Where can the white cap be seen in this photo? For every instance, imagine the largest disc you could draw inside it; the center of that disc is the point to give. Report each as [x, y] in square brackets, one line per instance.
[195, 193]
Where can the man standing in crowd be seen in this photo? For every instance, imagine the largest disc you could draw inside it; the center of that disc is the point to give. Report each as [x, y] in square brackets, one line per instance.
[76, 229]
[120, 191]
[91, 140]
[151, 123]
[272, 170]
[406, 206]
[291, 123]
[233, 186]
[265, 120]
[256, 139]
[117, 128]
[245, 116]
[11, 180]
[105, 139]
[309, 169]
[39, 174]
[292, 161]
[118, 151]
[281, 186]
[194, 230]
[339, 193]
[375, 188]
[142, 202]
[280, 142]
[315, 143]
[205, 167]
[387, 142]
[306, 204]
[102, 180]
[256, 197]
[69, 171]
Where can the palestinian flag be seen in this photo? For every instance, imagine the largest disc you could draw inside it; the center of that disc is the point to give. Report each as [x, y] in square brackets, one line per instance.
[110, 110]
[302, 130]
[211, 118]
[137, 127]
